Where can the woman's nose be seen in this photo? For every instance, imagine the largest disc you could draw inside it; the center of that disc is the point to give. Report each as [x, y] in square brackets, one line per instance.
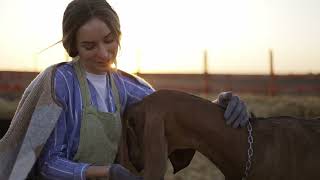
[103, 53]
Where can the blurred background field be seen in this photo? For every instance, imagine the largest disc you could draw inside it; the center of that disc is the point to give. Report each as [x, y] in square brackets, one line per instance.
[7, 108]
[281, 105]
[262, 106]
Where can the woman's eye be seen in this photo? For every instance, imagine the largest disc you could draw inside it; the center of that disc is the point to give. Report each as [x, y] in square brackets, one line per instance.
[89, 46]
[108, 39]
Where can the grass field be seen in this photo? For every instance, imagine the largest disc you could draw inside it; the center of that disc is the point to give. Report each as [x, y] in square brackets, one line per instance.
[7, 108]
[261, 106]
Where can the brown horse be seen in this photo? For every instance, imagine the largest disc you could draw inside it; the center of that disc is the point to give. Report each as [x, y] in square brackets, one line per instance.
[175, 124]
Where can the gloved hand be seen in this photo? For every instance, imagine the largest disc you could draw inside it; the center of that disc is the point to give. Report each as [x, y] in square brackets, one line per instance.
[118, 172]
[236, 110]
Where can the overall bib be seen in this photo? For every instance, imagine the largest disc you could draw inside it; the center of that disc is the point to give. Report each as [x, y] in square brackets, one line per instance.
[100, 132]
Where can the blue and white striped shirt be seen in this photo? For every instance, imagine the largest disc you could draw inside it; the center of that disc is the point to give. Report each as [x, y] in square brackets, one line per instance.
[55, 161]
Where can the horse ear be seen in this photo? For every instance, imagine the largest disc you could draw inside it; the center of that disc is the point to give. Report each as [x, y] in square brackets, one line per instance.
[135, 154]
[181, 158]
[129, 152]
[123, 152]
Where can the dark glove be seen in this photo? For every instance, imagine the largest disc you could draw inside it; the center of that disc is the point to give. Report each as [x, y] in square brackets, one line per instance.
[236, 110]
[118, 172]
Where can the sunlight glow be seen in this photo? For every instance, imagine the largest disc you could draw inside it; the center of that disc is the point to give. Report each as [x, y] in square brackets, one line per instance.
[170, 36]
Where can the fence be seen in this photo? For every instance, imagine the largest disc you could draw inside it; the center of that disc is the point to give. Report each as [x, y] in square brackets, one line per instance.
[12, 84]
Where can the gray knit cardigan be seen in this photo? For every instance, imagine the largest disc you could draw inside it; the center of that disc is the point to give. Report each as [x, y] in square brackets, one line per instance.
[32, 124]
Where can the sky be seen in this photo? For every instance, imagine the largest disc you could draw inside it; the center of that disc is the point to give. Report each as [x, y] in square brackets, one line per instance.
[170, 36]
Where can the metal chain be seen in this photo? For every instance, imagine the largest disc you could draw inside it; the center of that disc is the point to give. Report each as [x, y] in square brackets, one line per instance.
[250, 151]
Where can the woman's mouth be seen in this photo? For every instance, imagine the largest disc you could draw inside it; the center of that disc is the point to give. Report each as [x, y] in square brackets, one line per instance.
[105, 63]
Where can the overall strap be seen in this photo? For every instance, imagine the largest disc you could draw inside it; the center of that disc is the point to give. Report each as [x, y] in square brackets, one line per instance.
[84, 88]
[115, 93]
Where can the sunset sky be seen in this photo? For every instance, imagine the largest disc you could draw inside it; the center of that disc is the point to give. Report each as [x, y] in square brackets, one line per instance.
[166, 36]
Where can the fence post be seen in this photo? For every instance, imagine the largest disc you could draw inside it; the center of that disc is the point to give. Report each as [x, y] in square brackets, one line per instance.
[205, 73]
[271, 88]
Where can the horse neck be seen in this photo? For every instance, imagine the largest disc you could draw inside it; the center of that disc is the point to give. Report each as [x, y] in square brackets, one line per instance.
[225, 146]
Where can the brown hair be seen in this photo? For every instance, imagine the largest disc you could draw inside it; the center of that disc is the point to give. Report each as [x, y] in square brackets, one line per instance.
[78, 12]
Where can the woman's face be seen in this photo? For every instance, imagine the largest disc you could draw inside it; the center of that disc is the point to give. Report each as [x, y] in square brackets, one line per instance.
[96, 45]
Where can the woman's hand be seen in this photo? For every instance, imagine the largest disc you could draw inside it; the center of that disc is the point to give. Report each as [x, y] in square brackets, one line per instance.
[113, 172]
[118, 172]
[236, 113]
